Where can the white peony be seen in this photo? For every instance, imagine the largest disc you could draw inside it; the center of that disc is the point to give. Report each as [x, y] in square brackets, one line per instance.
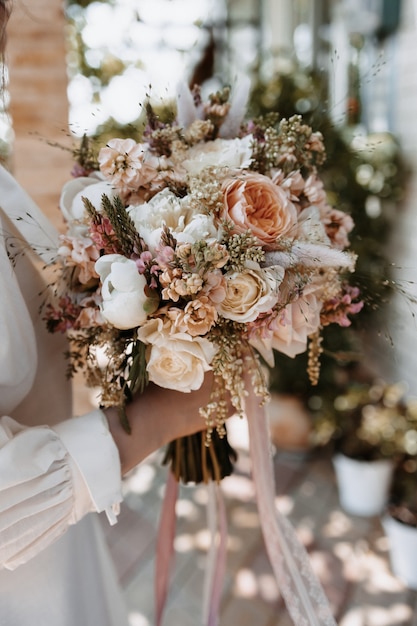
[72, 205]
[166, 209]
[124, 302]
[175, 360]
[232, 153]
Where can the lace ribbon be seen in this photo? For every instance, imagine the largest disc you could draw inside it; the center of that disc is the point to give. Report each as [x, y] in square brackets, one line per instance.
[299, 586]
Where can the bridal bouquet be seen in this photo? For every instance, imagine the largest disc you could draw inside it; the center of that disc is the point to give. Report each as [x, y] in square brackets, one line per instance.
[206, 246]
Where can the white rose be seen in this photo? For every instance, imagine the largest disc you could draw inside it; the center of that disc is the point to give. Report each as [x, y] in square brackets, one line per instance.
[91, 187]
[175, 361]
[166, 209]
[233, 153]
[250, 293]
[123, 291]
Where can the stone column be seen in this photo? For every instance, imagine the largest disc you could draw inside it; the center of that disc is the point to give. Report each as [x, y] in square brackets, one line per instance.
[39, 107]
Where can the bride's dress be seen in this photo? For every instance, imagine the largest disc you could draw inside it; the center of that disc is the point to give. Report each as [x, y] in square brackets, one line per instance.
[53, 469]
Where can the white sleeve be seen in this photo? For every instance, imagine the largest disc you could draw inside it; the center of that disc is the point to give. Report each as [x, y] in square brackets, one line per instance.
[50, 478]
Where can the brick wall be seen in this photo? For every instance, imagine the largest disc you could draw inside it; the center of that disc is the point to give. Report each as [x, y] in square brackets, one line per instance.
[39, 107]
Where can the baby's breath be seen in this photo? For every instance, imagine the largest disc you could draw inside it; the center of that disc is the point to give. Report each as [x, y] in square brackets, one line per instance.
[205, 191]
[242, 247]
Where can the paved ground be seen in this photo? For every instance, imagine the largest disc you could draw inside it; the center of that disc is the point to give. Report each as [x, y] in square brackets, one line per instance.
[349, 554]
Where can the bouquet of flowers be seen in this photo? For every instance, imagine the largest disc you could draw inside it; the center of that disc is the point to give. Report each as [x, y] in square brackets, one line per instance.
[206, 246]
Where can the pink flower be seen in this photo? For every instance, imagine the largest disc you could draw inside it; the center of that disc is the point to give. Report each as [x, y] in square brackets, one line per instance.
[336, 310]
[338, 226]
[298, 320]
[103, 236]
[81, 253]
[62, 317]
[315, 192]
[293, 183]
[90, 314]
[127, 164]
[215, 286]
[196, 319]
[254, 202]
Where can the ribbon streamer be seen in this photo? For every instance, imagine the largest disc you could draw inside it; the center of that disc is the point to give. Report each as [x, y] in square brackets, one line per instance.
[298, 584]
[301, 590]
[216, 558]
[165, 546]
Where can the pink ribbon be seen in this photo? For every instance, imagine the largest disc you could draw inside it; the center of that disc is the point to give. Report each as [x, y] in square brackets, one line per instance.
[216, 559]
[165, 546]
[299, 586]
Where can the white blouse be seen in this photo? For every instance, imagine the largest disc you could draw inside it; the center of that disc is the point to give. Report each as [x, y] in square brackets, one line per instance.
[54, 469]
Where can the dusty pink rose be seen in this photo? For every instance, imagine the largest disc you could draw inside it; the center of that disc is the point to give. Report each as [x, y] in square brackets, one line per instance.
[254, 202]
[127, 164]
[293, 326]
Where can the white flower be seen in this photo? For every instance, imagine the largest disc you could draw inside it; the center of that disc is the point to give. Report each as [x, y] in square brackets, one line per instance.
[175, 360]
[250, 293]
[232, 153]
[72, 205]
[123, 291]
[310, 226]
[166, 209]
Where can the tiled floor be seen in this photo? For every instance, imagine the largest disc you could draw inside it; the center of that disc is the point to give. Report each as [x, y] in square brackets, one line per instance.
[349, 554]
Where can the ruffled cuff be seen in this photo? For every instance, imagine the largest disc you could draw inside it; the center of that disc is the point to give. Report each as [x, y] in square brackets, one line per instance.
[95, 464]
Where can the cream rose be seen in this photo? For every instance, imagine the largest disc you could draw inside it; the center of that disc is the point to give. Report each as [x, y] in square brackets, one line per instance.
[253, 202]
[232, 153]
[250, 293]
[175, 360]
[123, 291]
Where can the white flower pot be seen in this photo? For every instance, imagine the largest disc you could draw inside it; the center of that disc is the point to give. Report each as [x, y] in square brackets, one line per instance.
[363, 485]
[403, 550]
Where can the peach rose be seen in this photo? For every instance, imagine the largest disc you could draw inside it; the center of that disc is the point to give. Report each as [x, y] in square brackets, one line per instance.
[253, 202]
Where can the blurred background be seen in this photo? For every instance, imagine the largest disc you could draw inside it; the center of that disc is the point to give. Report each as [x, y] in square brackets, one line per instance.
[348, 67]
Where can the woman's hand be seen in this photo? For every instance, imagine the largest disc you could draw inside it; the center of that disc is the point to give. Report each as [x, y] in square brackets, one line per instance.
[157, 416]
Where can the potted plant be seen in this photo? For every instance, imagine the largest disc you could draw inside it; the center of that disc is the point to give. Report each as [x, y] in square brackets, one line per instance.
[400, 519]
[369, 425]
